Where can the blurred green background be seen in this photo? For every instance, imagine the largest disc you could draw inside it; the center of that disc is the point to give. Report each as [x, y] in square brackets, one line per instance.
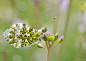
[70, 22]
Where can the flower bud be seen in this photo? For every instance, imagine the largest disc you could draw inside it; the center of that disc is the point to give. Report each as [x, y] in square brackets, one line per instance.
[50, 38]
[61, 39]
[40, 45]
[47, 33]
[56, 34]
[45, 36]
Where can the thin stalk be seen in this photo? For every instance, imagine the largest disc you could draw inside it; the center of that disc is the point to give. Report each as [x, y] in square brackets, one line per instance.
[48, 52]
[52, 44]
[46, 45]
[53, 47]
[48, 55]
[45, 50]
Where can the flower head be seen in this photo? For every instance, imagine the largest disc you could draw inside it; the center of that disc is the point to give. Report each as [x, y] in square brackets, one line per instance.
[48, 33]
[45, 36]
[40, 45]
[62, 37]
[56, 34]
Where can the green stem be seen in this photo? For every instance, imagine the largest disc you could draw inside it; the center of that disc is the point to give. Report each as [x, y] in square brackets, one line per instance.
[16, 11]
[53, 47]
[52, 44]
[46, 45]
[48, 51]
[45, 49]
[48, 56]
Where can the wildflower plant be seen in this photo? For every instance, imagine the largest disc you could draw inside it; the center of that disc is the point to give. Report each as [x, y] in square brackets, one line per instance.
[50, 40]
[21, 35]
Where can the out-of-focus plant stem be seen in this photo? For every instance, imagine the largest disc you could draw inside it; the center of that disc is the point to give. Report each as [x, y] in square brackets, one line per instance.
[38, 14]
[48, 51]
[4, 55]
[78, 53]
[48, 55]
[66, 24]
[13, 3]
[65, 28]
[45, 49]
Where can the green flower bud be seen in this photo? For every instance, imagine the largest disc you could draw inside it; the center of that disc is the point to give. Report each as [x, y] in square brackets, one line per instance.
[61, 39]
[50, 38]
[47, 33]
[40, 45]
[55, 38]
[45, 37]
